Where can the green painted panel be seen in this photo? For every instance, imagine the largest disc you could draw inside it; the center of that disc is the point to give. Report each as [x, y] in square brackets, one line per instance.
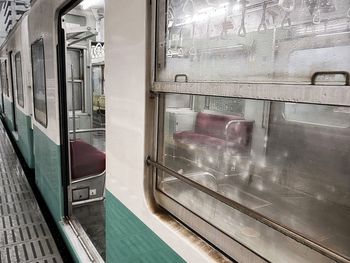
[25, 137]
[8, 113]
[128, 239]
[48, 172]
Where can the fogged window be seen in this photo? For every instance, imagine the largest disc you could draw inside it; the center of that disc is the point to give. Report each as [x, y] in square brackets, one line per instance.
[19, 79]
[279, 41]
[4, 80]
[251, 152]
[178, 101]
[333, 116]
[39, 83]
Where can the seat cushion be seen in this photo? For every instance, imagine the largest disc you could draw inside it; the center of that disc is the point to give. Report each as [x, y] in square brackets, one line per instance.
[86, 160]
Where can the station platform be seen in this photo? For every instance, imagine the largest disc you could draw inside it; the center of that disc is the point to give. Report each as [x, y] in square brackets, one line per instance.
[24, 234]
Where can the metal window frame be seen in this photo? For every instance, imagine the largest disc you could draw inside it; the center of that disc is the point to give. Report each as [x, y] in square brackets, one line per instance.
[310, 93]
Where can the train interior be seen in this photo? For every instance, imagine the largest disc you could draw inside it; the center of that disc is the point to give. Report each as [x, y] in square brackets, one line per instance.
[288, 161]
[85, 92]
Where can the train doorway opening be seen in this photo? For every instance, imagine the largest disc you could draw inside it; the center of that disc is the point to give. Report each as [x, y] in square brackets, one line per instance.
[82, 106]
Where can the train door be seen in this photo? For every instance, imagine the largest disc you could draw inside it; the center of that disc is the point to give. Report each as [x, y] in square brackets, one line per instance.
[13, 92]
[82, 47]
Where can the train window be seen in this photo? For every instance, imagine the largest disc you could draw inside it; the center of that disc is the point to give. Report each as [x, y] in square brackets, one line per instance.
[4, 78]
[263, 41]
[319, 115]
[39, 83]
[246, 151]
[75, 62]
[19, 79]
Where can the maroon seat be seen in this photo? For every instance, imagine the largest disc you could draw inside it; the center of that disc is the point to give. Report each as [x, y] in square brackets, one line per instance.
[86, 160]
[211, 131]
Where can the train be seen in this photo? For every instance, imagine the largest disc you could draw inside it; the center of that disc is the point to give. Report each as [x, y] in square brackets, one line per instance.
[186, 130]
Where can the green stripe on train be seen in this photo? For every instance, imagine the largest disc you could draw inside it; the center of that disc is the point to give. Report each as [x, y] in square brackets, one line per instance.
[48, 172]
[128, 239]
[25, 133]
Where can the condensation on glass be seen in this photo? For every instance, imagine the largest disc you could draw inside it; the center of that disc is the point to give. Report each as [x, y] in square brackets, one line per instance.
[288, 162]
[252, 41]
[19, 79]
[39, 82]
[4, 79]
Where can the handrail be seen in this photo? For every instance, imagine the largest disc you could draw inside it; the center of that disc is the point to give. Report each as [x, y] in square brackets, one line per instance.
[87, 130]
[228, 125]
[253, 214]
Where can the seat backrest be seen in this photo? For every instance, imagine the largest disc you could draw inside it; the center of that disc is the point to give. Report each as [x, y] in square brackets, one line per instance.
[215, 126]
[86, 160]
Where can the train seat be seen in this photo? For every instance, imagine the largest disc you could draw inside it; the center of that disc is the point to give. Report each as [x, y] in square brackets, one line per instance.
[88, 166]
[218, 132]
[86, 160]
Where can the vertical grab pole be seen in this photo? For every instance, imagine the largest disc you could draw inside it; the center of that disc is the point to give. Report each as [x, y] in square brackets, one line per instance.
[73, 101]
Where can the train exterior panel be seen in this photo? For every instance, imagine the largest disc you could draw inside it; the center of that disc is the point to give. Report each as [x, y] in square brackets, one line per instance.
[200, 165]
[19, 123]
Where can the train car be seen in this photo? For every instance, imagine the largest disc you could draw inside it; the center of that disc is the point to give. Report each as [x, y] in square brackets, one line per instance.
[186, 131]
[16, 86]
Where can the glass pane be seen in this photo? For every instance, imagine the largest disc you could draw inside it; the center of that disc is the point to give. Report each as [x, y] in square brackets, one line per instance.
[78, 96]
[97, 80]
[278, 41]
[19, 79]
[332, 116]
[74, 62]
[39, 85]
[289, 171]
[98, 99]
[4, 80]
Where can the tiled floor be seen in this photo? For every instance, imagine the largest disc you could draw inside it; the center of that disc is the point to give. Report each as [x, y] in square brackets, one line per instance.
[24, 234]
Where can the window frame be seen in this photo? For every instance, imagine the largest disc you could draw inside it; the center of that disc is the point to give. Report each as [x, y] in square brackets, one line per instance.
[41, 39]
[303, 92]
[19, 55]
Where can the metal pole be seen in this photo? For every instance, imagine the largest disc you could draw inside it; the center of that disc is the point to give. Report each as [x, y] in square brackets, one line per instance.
[73, 101]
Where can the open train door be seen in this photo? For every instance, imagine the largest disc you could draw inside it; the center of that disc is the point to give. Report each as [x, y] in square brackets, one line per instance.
[81, 61]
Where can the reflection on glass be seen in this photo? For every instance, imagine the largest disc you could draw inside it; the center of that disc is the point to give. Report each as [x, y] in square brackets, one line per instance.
[78, 96]
[39, 84]
[268, 156]
[284, 41]
[4, 82]
[19, 79]
[98, 100]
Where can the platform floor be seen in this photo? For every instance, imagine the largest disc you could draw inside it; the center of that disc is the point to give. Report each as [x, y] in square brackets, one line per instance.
[24, 234]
